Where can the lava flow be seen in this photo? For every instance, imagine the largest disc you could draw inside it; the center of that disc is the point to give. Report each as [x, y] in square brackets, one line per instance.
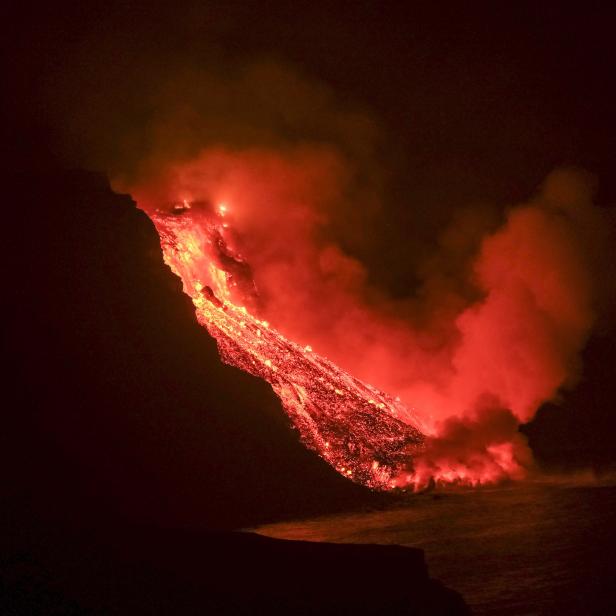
[353, 426]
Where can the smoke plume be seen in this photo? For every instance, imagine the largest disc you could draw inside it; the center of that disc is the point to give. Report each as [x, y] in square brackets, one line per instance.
[494, 320]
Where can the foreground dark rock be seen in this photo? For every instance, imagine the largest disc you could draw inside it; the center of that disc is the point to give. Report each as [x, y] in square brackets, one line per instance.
[120, 417]
[119, 405]
[136, 571]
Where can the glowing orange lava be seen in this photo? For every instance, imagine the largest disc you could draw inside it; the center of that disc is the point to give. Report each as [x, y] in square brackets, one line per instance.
[353, 426]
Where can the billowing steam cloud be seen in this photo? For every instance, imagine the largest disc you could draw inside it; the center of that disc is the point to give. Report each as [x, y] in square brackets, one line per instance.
[503, 307]
[471, 374]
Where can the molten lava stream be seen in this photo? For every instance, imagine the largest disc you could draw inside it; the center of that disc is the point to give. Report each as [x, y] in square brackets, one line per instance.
[350, 424]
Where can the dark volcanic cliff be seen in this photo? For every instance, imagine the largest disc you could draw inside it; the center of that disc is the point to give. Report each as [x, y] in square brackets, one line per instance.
[121, 421]
[120, 396]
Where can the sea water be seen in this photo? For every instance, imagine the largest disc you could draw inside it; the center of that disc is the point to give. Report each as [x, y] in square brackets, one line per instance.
[543, 547]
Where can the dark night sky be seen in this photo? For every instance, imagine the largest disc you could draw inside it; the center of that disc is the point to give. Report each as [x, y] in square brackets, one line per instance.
[504, 92]
[476, 105]
[491, 98]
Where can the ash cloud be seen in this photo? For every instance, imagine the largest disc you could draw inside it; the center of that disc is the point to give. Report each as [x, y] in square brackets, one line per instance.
[504, 304]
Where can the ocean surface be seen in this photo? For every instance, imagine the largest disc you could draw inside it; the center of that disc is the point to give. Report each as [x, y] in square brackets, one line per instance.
[531, 548]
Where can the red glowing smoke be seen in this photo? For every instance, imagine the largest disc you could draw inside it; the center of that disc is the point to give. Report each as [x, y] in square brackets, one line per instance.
[468, 371]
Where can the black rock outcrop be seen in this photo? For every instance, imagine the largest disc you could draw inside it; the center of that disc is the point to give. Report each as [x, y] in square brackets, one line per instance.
[120, 421]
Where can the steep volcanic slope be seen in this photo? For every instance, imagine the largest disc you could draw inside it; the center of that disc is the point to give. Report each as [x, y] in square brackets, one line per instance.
[352, 425]
[111, 434]
[120, 403]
